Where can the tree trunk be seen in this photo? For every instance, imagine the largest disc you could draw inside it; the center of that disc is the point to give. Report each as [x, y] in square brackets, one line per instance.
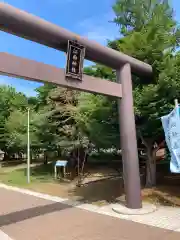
[59, 152]
[150, 161]
[151, 168]
[6, 157]
[45, 158]
[81, 173]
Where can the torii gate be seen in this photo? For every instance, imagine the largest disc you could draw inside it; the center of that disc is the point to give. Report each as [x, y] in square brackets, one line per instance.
[25, 25]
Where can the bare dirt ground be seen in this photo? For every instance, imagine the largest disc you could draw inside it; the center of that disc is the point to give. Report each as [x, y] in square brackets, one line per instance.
[105, 186]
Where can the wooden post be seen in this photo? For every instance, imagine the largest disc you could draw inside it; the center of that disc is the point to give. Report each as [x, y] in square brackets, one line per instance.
[131, 173]
[55, 172]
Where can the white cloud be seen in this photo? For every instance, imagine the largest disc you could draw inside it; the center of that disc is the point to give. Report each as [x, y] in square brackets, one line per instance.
[99, 28]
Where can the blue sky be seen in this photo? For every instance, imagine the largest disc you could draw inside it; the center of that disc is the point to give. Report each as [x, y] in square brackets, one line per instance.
[85, 17]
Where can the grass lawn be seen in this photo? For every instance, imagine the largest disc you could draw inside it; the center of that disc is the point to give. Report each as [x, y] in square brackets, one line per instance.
[99, 192]
[18, 177]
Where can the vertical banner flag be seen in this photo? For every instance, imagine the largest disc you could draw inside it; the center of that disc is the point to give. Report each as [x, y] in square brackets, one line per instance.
[171, 126]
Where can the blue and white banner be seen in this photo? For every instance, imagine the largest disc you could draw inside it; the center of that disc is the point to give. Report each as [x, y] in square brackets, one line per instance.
[171, 126]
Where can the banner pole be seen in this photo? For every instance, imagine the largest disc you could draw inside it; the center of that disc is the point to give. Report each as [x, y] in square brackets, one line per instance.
[176, 102]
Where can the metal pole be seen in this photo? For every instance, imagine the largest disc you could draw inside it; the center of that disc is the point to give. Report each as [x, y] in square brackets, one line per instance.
[130, 159]
[28, 151]
[176, 102]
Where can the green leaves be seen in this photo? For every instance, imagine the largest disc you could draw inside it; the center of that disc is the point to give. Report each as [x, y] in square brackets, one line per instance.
[98, 119]
[135, 15]
[10, 102]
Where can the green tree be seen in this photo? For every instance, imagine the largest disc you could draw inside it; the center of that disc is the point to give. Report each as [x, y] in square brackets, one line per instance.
[16, 126]
[43, 92]
[10, 100]
[135, 15]
[151, 34]
[99, 115]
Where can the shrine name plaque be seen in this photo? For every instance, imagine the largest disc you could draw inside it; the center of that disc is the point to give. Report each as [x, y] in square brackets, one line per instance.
[75, 59]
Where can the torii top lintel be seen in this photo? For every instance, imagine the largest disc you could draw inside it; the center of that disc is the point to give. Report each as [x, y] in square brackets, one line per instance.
[25, 25]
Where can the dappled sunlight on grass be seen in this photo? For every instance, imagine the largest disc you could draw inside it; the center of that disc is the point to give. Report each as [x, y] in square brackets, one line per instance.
[16, 177]
[41, 173]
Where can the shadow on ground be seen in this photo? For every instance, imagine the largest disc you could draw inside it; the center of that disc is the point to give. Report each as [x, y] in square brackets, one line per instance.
[43, 171]
[167, 191]
[107, 190]
[19, 216]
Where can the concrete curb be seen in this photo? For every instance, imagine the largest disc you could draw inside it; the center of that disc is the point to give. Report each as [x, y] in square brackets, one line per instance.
[4, 236]
[123, 210]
